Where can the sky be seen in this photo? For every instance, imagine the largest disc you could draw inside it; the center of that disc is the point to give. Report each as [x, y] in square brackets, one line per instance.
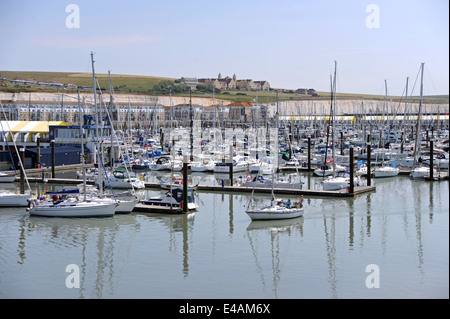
[289, 43]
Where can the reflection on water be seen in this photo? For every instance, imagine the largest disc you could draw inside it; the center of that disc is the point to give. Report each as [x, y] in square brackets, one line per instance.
[218, 252]
[271, 231]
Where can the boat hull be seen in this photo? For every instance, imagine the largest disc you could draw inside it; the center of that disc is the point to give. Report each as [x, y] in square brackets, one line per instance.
[385, 173]
[270, 213]
[420, 173]
[7, 179]
[74, 210]
[14, 200]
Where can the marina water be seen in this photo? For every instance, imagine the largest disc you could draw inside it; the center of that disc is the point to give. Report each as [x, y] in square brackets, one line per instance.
[390, 243]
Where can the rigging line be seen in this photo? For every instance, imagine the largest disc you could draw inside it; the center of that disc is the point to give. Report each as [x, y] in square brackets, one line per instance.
[104, 168]
[431, 80]
[113, 134]
[7, 144]
[17, 152]
[415, 82]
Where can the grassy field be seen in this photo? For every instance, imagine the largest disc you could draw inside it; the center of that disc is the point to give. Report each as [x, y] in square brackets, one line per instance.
[121, 83]
[137, 84]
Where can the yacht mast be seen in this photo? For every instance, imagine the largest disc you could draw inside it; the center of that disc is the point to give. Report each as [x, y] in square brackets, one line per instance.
[97, 159]
[333, 120]
[417, 142]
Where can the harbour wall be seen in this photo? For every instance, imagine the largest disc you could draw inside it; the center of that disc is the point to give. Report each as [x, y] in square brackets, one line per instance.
[296, 107]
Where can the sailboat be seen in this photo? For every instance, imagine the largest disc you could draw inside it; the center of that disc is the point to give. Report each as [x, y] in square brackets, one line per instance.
[388, 169]
[277, 209]
[340, 179]
[66, 205]
[419, 170]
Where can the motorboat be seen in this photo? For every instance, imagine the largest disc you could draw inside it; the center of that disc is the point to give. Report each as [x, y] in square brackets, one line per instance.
[174, 183]
[202, 166]
[361, 169]
[327, 170]
[240, 164]
[140, 164]
[278, 209]
[171, 202]
[166, 163]
[123, 179]
[387, 170]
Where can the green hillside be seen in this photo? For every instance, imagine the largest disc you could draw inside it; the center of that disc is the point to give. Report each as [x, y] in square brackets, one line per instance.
[138, 84]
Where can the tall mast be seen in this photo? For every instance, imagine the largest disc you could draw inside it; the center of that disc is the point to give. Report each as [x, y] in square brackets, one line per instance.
[82, 146]
[333, 117]
[406, 103]
[100, 173]
[417, 142]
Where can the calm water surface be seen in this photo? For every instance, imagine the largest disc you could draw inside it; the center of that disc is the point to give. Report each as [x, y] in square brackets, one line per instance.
[217, 252]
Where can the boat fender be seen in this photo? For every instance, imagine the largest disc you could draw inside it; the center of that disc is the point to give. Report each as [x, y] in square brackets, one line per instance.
[30, 205]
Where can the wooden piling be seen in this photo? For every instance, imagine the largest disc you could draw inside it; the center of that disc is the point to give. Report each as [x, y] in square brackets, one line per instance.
[53, 158]
[38, 148]
[309, 153]
[22, 168]
[352, 184]
[431, 158]
[185, 183]
[369, 163]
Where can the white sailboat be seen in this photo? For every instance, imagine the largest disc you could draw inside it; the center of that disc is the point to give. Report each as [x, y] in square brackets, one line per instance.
[387, 170]
[64, 205]
[277, 209]
[340, 181]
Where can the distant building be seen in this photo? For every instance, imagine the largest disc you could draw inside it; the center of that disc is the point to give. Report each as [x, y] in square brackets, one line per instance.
[227, 83]
[190, 82]
[262, 85]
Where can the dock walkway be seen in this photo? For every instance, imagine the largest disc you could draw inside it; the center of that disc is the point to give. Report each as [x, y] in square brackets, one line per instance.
[230, 189]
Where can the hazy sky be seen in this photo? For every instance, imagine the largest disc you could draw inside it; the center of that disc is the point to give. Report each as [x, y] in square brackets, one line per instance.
[290, 43]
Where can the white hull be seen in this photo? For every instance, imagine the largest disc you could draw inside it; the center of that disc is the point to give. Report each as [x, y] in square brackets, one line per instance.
[125, 184]
[274, 212]
[169, 186]
[268, 184]
[226, 169]
[7, 179]
[74, 209]
[14, 200]
[123, 206]
[336, 183]
[420, 172]
[385, 172]
[197, 167]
